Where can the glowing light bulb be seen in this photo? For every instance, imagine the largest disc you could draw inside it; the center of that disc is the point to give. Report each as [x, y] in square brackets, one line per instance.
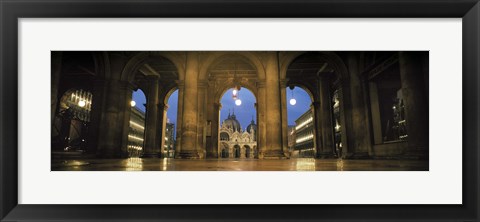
[293, 101]
[82, 103]
[133, 103]
[235, 92]
[238, 102]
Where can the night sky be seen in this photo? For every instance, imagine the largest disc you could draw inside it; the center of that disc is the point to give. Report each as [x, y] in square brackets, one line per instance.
[244, 112]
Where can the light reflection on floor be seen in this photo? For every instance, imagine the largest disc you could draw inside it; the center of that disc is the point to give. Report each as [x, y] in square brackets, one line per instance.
[300, 164]
[305, 164]
[134, 164]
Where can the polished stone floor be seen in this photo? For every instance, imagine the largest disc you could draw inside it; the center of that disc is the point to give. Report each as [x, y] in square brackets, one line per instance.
[300, 164]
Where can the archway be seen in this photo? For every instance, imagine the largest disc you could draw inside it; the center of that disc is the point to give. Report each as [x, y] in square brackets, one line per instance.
[301, 119]
[236, 151]
[158, 76]
[322, 74]
[238, 120]
[248, 151]
[224, 151]
[70, 126]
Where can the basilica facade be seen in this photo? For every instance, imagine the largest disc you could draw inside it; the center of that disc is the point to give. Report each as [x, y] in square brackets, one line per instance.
[236, 142]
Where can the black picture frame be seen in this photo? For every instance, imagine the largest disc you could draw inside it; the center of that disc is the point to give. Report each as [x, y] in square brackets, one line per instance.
[12, 10]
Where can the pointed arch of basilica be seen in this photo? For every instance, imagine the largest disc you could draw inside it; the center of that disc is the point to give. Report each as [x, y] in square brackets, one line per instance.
[348, 91]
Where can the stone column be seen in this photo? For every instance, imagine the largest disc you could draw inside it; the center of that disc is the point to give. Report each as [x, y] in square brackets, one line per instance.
[324, 120]
[178, 139]
[151, 120]
[56, 66]
[98, 101]
[161, 127]
[260, 133]
[261, 121]
[114, 125]
[357, 126]
[201, 123]
[415, 101]
[273, 108]
[190, 106]
[283, 102]
[214, 150]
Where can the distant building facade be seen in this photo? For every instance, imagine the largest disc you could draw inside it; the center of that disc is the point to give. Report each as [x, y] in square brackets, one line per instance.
[136, 133]
[169, 146]
[304, 135]
[236, 143]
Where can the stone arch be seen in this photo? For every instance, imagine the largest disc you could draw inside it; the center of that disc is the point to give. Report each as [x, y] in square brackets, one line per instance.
[134, 63]
[224, 136]
[215, 57]
[236, 151]
[323, 129]
[169, 90]
[248, 151]
[330, 57]
[308, 89]
[225, 150]
[230, 84]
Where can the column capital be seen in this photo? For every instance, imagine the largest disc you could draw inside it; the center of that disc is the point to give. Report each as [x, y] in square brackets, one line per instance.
[180, 83]
[202, 84]
[283, 83]
[261, 83]
[163, 106]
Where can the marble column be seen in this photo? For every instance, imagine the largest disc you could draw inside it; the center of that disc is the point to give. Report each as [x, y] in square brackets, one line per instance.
[324, 120]
[151, 120]
[190, 106]
[415, 101]
[273, 149]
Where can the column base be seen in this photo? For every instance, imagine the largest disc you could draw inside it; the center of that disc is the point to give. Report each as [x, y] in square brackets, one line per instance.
[188, 155]
[272, 155]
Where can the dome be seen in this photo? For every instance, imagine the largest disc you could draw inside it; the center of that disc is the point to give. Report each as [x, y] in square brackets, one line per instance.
[232, 123]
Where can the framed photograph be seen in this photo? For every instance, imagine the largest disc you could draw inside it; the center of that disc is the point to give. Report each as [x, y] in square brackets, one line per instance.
[252, 111]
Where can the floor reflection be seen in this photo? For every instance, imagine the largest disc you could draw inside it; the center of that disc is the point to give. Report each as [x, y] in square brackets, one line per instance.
[305, 164]
[134, 164]
[300, 164]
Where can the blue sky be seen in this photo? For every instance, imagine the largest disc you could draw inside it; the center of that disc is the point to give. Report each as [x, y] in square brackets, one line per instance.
[244, 112]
